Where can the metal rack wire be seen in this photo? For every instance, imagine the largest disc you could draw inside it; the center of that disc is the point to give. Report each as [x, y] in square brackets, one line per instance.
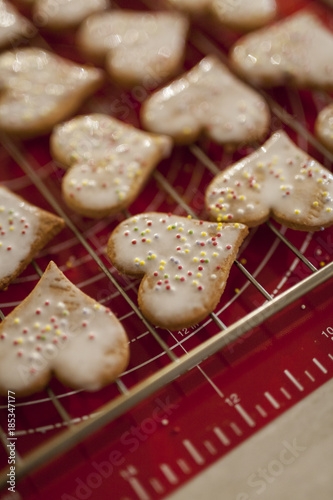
[75, 432]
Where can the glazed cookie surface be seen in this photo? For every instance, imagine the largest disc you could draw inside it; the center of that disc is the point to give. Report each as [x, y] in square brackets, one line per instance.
[278, 180]
[24, 230]
[58, 330]
[64, 14]
[324, 126]
[241, 14]
[13, 26]
[293, 51]
[244, 15]
[136, 47]
[39, 89]
[184, 264]
[109, 162]
[207, 100]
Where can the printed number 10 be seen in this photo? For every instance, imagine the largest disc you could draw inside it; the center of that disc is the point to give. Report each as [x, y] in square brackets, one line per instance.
[328, 332]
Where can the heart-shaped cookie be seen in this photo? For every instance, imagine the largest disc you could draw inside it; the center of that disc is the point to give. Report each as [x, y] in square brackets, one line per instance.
[24, 230]
[109, 162]
[58, 330]
[184, 264]
[296, 50]
[208, 99]
[62, 15]
[13, 26]
[138, 48]
[324, 126]
[39, 89]
[278, 180]
[240, 14]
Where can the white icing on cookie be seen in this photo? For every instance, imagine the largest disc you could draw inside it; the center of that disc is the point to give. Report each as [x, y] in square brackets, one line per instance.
[185, 263]
[139, 47]
[18, 224]
[244, 14]
[237, 14]
[40, 88]
[62, 14]
[109, 162]
[58, 329]
[13, 25]
[208, 99]
[295, 50]
[278, 180]
[324, 126]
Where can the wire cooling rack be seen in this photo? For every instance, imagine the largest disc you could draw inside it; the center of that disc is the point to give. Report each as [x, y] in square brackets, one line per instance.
[276, 267]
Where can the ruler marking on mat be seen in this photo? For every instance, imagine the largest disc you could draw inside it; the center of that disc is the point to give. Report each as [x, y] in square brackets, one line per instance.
[320, 366]
[285, 392]
[308, 374]
[129, 476]
[243, 413]
[210, 447]
[236, 429]
[158, 487]
[294, 380]
[183, 465]
[261, 411]
[195, 454]
[222, 436]
[272, 400]
[169, 474]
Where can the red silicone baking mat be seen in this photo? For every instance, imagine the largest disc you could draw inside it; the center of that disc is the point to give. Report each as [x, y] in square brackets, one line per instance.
[172, 426]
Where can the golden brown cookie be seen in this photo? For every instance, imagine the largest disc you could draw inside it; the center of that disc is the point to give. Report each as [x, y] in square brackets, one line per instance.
[278, 180]
[62, 15]
[184, 264]
[24, 230]
[137, 48]
[324, 126]
[207, 100]
[109, 162]
[296, 51]
[243, 15]
[58, 330]
[13, 26]
[39, 89]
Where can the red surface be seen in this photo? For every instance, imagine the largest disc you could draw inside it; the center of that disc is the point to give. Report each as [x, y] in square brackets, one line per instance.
[144, 454]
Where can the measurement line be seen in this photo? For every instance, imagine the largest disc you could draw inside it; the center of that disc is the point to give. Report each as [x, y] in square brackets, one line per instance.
[183, 465]
[210, 447]
[197, 457]
[320, 366]
[243, 413]
[308, 374]
[158, 487]
[293, 380]
[285, 392]
[138, 488]
[222, 437]
[169, 474]
[272, 400]
[236, 429]
[261, 411]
